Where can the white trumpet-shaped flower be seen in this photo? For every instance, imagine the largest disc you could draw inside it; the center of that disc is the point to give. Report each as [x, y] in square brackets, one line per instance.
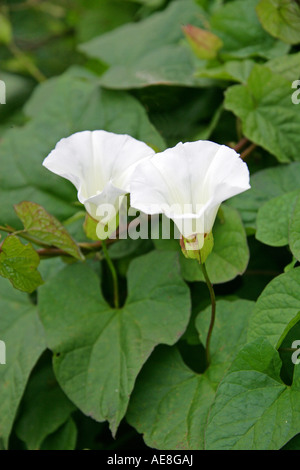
[99, 164]
[188, 183]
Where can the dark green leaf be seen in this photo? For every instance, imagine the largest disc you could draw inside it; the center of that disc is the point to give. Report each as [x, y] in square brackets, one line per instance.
[23, 335]
[254, 409]
[170, 403]
[99, 351]
[62, 439]
[45, 408]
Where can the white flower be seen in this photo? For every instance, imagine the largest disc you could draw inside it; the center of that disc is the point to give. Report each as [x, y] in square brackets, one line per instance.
[99, 164]
[188, 183]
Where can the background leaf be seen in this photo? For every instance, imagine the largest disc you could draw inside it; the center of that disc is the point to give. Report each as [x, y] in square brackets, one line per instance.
[294, 230]
[270, 404]
[133, 64]
[268, 116]
[281, 18]
[265, 185]
[273, 219]
[277, 309]
[44, 409]
[244, 38]
[23, 335]
[177, 420]
[67, 104]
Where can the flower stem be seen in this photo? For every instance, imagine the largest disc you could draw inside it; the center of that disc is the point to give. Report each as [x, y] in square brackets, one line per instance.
[26, 62]
[23, 234]
[248, 150]
[113, 273]
[213, 313]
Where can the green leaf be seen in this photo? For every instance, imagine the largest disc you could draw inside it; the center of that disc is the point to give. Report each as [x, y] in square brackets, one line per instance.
[232, 70]
[273, 219]
[170, 402]
[70, 103]
[23, 335]
[244, 38]
[44, 409]
[281, 18]
[269, 117]
[5, 30]
[135, 64]
[98, 351]
[19, 263]
[254, 410]
[265, 185]
[63, 439]
[90, 226]
[230, 254]
[293, 444]
[286, 66]
[43, 226]
[277, 309]
[103, 16]
[294, 230]
[232, 320]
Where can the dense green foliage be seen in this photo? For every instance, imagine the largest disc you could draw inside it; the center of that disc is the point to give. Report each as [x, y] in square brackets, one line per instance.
[80, 373]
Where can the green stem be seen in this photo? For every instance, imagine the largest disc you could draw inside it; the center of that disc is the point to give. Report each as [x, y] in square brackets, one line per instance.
[23, 234]
[30, 66]
[113, 273]
[213, 312]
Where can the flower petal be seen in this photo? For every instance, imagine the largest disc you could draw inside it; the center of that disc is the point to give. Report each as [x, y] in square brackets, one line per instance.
[92, 159]
[189, 182]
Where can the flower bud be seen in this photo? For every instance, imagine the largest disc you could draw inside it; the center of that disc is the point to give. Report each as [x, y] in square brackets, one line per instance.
[203, 43]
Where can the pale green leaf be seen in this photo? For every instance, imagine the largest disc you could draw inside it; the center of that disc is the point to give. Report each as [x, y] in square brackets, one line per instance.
[281, 18]
[43, 226]
[19, 263]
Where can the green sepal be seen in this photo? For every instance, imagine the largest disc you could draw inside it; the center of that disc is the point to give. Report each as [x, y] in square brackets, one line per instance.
[191, 246]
